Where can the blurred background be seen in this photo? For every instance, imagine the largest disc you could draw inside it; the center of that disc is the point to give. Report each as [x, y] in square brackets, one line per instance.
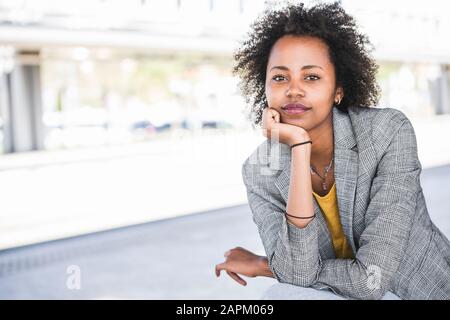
[122, 135]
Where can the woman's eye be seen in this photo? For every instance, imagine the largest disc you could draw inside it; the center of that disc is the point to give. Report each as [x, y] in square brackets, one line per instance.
[312, 77]
[278, 78]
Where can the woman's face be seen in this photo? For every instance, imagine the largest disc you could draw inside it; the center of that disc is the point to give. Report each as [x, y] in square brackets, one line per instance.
[299, 71]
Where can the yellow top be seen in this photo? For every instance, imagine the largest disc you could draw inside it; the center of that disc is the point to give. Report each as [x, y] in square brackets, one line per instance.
[328, 204]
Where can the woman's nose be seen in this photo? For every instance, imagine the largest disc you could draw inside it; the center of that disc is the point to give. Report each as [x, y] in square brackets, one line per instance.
[295, 90]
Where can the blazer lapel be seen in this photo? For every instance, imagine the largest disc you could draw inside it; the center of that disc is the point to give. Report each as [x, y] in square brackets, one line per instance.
[345, 176]
[345, 170]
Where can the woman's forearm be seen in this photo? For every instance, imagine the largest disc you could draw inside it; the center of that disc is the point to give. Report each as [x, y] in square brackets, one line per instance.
[300, 191]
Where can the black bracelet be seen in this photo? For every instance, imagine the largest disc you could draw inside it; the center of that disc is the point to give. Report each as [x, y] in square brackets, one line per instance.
[313, 216]
[298, 144]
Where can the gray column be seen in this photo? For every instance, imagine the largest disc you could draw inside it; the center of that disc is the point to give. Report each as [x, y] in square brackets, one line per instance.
[23, 128]
[4, 111]
[442, 91]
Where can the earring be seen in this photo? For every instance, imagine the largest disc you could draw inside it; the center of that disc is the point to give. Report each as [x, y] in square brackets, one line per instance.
[338, 101]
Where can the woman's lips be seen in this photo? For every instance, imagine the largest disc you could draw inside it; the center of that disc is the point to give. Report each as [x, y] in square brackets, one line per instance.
[295, 108]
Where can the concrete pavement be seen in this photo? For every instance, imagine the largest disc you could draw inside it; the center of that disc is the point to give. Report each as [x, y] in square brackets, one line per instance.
[167, 259]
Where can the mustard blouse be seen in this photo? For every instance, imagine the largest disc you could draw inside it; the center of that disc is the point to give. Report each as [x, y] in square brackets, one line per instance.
[329, 206]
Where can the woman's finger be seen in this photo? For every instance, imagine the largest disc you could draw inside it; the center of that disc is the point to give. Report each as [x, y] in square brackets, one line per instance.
[237, 278]
[275, 115]
[270, 119]
[219, 267]
[264, 119]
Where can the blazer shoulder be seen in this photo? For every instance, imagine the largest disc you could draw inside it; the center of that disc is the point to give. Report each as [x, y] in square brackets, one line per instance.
[389, 118]
[374, 129]
[380, 124]
[387, 124]
[378, 117]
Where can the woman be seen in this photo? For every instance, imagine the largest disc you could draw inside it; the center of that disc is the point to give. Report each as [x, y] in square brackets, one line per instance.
[335, 189]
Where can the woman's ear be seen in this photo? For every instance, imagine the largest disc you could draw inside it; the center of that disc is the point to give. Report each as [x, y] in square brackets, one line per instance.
[339, 95]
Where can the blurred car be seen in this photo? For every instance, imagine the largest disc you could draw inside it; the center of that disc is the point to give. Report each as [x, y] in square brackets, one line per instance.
[147, 126]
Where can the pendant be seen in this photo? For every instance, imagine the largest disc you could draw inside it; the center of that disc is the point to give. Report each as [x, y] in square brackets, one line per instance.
[324, 186]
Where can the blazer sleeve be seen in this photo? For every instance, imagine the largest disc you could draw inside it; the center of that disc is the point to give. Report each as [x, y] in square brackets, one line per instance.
[288, 248]
[293, 252]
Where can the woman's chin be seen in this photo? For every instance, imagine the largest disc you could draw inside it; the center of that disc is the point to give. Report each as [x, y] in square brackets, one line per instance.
[299, 122]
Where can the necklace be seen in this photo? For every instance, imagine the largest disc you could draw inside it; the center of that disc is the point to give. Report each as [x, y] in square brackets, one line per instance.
[313, 171]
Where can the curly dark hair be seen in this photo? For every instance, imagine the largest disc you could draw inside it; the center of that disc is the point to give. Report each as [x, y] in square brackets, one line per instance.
[349, 52]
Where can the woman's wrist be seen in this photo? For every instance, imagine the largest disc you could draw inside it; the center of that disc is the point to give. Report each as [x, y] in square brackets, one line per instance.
[302, 153]
[263, 268]
[299, 137]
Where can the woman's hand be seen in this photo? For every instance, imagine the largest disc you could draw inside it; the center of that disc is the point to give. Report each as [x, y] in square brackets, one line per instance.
[241, 261]
[287, 133]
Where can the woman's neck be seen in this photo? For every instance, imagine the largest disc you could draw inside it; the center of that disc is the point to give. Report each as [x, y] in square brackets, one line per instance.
[323, 144]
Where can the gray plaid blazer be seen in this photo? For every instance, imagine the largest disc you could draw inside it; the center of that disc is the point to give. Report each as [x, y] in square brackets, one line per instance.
[382, 209]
